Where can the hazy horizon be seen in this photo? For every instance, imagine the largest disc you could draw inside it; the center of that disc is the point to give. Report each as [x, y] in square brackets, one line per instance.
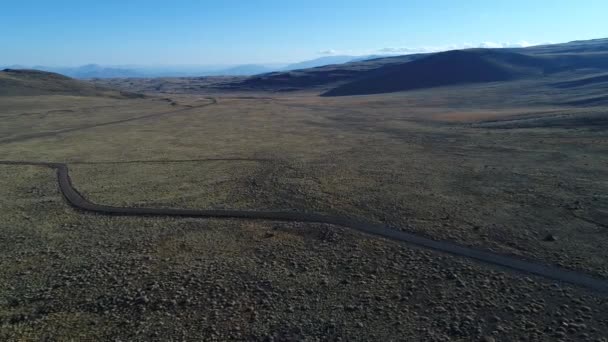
[383, 53]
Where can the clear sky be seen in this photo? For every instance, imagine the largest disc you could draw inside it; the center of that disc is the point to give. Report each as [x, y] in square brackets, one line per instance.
[173, 32]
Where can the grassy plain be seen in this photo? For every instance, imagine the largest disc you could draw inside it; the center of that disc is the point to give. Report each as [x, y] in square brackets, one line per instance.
[451, 163]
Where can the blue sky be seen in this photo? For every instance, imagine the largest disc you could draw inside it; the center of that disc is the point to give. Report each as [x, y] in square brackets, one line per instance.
[176, 32]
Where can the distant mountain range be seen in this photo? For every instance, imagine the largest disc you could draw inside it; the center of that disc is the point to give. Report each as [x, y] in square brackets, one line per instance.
[408, 72]
[585, 62]
[82, 72]
[90, 71]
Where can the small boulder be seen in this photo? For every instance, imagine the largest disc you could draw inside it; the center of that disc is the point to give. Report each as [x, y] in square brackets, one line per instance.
[549, 237]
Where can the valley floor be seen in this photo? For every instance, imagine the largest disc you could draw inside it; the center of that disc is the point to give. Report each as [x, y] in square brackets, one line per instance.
[508, 174]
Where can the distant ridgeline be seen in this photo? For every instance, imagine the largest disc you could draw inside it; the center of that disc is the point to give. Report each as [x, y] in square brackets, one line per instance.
[410, 72]
[21, 82]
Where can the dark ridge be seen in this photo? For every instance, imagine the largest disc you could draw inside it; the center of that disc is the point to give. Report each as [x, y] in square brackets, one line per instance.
[34, 73]
[578, 46]
[318, 76]
[531, 61]
[26, 82]
[541, 59]
[597, 61]
[588, 101]
[582, 81]
[446, 68]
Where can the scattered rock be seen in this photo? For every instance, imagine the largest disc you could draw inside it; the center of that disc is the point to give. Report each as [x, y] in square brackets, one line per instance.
[142, 300]
[549, 237]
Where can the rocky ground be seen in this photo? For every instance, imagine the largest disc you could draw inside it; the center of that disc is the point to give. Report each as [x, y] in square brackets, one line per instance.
[423, 162]
[69, 275]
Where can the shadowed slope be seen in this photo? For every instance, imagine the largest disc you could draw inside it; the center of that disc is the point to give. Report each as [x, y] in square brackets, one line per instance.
[317, 76]
[494, 64]
[35, 82]
[584, 81]
[446, 68]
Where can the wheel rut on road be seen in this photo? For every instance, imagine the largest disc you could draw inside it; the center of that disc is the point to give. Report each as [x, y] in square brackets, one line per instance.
[76, 200]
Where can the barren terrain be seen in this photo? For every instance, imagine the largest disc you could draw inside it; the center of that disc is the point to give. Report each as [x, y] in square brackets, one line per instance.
[507, 167]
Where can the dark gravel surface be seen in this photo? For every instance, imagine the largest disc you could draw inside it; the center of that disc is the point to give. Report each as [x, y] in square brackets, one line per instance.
[75, 199]
[71, 276]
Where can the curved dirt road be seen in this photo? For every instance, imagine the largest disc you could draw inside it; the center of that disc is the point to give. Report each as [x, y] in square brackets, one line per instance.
[75, 199]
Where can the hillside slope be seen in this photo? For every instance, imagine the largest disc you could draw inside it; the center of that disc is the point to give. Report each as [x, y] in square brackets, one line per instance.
[446, 68]
[495, 64]
[316, 77]
[35, 82]
[561, 61]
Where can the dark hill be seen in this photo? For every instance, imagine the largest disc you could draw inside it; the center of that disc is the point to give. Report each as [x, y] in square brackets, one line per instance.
[584, 81]
[574, 47]
[601, 100]
[317, 77]
[588, 57]
[34, 82]
[446, 68]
